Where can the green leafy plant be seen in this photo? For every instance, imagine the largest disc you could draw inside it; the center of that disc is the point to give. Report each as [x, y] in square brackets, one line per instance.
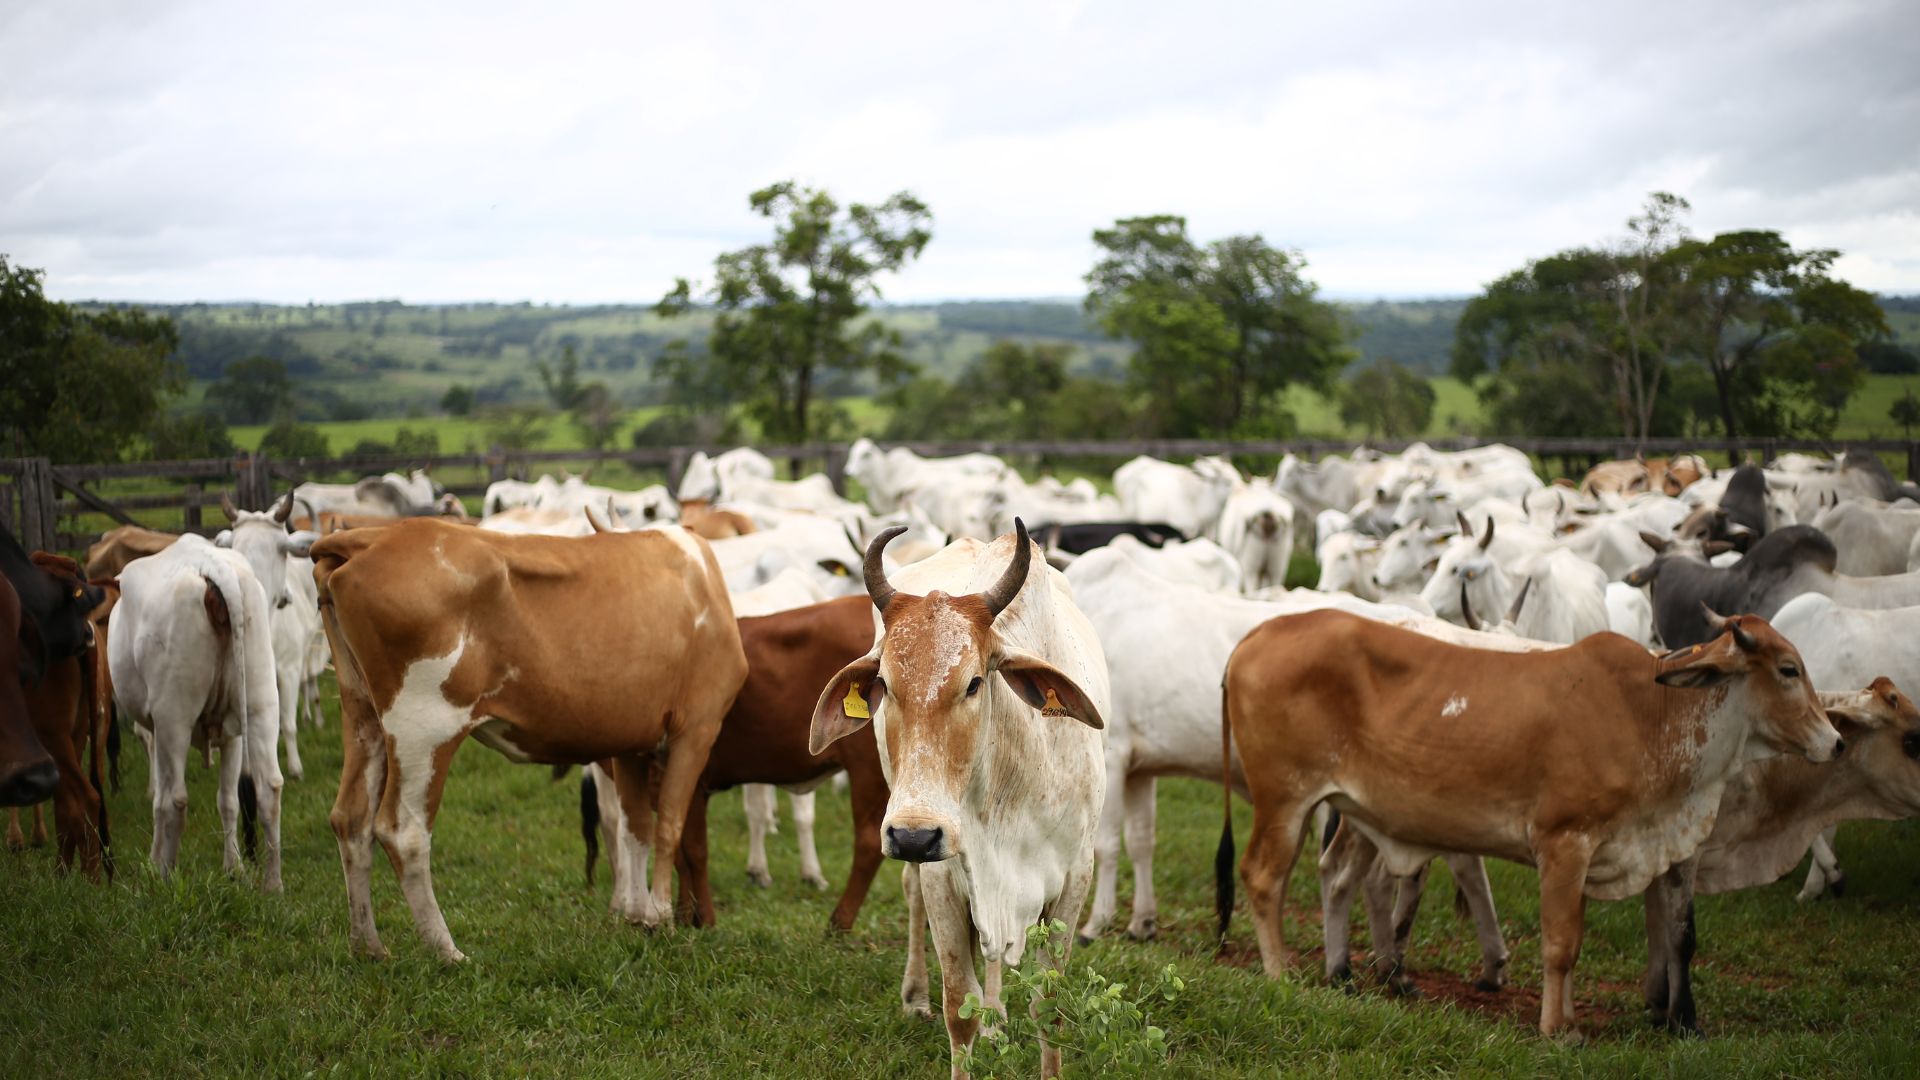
[1099, 1028]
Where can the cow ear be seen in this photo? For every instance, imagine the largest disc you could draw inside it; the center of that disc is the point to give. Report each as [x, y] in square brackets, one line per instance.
[1701, 666]
[1657, 543]
[1047, 688]
[223, 538]
[1716, 547]
[297, 544]
[846, 705]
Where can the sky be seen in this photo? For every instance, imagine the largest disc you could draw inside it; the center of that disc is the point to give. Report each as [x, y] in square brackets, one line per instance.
[592, 153]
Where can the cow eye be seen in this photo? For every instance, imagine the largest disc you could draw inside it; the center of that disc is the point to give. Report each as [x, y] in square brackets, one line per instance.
[974, 686]
[1910, 744]
[1789, 671]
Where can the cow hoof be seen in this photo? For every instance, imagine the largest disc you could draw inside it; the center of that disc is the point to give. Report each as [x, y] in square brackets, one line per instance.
[761, 878]
[818, 882]
[1837, 885]
[1342, 977]
[1144, 930]
[917, 1010]
[1082, 939]
[1489, 986]
[453, 958]
[1404, 987]
[370, 950]
[1567, 1036]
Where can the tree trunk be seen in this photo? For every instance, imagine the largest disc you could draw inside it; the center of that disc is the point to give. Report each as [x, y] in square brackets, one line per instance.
[1723, 387]
[802, 402]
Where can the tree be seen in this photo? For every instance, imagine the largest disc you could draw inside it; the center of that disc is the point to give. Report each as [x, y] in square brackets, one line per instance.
[1906, 412]
[1386, 399]
[1219, 330]
[188, 436]
[77, 387]
[789, 311]
[1014, 391]
[253, 390]
[513, 428]
[562, 381]
[289, 438]
[598, 415]
[458, 400]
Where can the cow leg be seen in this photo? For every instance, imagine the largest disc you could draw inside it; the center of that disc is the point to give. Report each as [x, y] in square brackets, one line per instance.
[687, 751]
[1472, 887]
[1106, 852]
[913, 982]
[1066, 909]
[233, 762]
[957, 946]
[1271, 852]
[289, 686]
[1140, 830]
[613, 825]
[39, 838]
[635, 780]
[263, 767]
[696, 892]
[363, 777]
[803, 831]
[1823, 871]
[1670, 944]
[167, 746]
[869, 803]
[417, 764]
[763, 817]
[1563, 911]
[1343, 866]
[16, 840]
[146, 743]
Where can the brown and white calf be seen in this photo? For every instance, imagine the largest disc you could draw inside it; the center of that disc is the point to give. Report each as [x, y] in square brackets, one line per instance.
[545, 649]
[1599, 764]
[985, 690]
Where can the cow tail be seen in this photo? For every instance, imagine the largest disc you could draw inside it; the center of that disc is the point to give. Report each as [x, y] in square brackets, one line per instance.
[1223, 858]
[96, 772]
[225, 604]
[249, 815]
[113, 745]
[590, 819]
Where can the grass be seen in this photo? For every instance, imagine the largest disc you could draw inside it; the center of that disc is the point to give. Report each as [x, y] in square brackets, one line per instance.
[203, 976]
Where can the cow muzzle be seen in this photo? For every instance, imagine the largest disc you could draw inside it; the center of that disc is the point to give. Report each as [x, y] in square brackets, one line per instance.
[916, 843]
[33, 784]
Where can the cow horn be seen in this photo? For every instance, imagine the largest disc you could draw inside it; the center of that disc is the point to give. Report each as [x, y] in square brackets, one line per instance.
[284, 515]
[1003, 591]
[1466, 608]
[1513, 613]
[876, 571]
[1487, 540]
[1720, 624]
[1461, 517]
[226, 504]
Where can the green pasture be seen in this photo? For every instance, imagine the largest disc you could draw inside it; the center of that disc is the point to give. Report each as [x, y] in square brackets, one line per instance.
[203, 976]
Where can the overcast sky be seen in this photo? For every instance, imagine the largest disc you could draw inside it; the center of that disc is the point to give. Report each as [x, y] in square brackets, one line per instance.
[578, 153]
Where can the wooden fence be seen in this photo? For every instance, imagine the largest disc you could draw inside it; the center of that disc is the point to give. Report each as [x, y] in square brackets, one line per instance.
[41, 502]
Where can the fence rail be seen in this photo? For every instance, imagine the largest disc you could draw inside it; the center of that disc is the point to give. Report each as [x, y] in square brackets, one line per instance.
[36, 496]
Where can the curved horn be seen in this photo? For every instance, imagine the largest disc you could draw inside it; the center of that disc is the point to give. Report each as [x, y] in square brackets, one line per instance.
[1487, 540]
[1719, 624]
[1467, 608]
[1003, 591]
[1513, 613]
[226, 505]
[284, 515]
[876, 572]
[1461, 517]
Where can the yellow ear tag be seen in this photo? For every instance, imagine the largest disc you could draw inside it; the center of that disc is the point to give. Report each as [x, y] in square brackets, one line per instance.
[854, 705]
[1053, 706]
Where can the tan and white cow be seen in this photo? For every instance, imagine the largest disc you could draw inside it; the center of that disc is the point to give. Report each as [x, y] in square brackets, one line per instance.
[545, 649]
[985, 689]
[1598, 763]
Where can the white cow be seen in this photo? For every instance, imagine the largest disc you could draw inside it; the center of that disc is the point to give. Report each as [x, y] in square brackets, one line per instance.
[1565, 599]
[713, 479]
[191, 656]
[890, 476]
[392, 495]
[1872, 538]
[1200, 563]
[1187, 497]
[986, 687]
[817, 547]
[278, 557]
[1256, 527]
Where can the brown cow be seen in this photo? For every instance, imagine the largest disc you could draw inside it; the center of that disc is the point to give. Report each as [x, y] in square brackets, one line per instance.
[27, 772]
[1598, 763]
[1625, 478]
[545, 649]
[64, 706]
[714, 523]
[764, 741]
[117, 547]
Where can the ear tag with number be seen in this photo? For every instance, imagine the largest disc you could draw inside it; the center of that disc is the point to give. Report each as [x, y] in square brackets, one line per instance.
[854, 705]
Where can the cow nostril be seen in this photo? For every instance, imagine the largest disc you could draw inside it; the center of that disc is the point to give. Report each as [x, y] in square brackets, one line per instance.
[1839, 747]
[914, 844]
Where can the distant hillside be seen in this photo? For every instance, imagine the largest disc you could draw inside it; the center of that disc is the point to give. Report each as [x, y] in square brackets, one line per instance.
[385, 358]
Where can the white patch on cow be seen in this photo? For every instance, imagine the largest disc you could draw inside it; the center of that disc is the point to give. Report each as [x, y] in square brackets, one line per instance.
[1454, 707]
[950, 641]
[421, 719]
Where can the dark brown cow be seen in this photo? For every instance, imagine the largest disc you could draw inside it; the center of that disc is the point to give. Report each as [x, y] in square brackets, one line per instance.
[64, 706]
[763, 740]
[545, 649]
[27, 772]
[1598, 763]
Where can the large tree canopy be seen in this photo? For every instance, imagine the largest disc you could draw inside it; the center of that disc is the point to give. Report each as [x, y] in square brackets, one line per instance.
[76, 387]
[1219, 329]
[1585, 341]
[788, 311]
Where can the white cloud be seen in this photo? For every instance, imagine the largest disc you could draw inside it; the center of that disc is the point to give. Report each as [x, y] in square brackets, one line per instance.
[589, 152]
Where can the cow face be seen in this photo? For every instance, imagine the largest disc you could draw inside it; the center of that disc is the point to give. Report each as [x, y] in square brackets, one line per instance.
[1407, 559]
[264, 540]
[63, 620]
[1748, 656]
[940, 682]
[1467, 574]
[1881, 726]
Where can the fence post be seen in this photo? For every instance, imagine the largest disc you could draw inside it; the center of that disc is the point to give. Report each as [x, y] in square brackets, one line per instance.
[837, 469]
[190, 513]
[676, 469]
[1913, 462]
[37, 521]
[496, 462]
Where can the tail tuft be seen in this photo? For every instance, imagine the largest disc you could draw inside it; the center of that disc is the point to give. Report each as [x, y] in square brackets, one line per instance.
[590, 819]
[1223, 876]
[249, 816]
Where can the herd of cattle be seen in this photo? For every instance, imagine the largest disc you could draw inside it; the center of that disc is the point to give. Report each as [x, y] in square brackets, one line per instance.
[1664, 680]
